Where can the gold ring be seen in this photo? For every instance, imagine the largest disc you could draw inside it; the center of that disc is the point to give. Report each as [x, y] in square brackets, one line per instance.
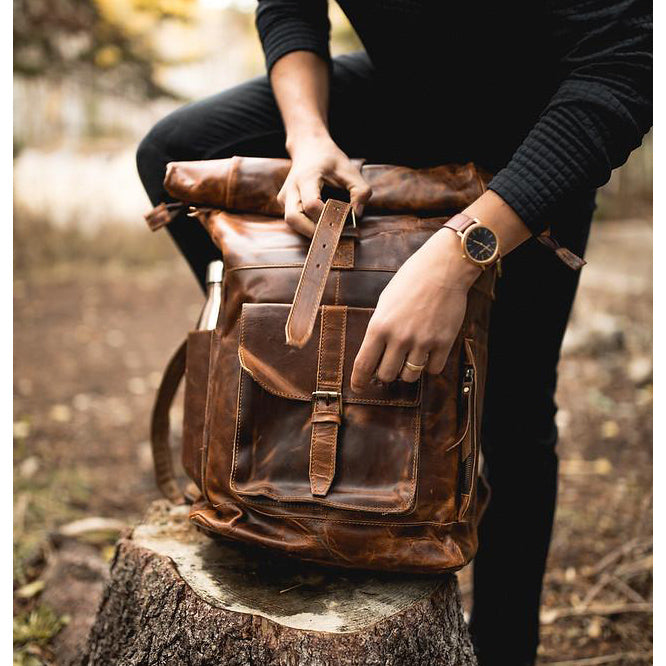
[413, 367]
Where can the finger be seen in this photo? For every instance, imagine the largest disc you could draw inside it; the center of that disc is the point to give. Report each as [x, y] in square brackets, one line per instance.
[367, 359]
[437, 360]
[359, 191]
[311, 198]
[294, 216]
[417, 357]
[391, 362]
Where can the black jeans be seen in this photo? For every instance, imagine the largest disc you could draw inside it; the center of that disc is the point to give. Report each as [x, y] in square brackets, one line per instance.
[533, 301]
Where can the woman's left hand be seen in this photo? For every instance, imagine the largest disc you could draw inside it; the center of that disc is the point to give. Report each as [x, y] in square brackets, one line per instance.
[418, 314]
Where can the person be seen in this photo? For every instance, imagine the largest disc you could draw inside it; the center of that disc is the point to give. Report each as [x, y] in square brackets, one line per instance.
[550, 97]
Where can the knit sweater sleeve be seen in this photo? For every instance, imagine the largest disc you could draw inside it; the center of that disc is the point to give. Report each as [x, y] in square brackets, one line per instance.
[599, 113]
[293, 25]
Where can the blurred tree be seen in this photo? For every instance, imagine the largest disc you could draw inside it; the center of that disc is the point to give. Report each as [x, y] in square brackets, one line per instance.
[87, 36]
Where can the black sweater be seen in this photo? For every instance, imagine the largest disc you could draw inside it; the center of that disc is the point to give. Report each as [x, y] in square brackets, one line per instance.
[561, 89]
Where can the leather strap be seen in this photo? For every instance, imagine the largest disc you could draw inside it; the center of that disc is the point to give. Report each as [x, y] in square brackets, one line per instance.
[316, 268]
[327, 399]
[565, 255]
[160, 426]
[459, 222]
[162, 214]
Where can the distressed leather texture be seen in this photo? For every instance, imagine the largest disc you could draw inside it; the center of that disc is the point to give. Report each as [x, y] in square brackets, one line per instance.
[284, 453]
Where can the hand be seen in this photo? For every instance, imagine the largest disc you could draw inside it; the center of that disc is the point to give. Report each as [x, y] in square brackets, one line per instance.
[316, 161]
[418, 315]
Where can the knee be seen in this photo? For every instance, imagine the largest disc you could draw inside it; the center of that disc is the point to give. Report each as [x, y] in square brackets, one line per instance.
[152, 154]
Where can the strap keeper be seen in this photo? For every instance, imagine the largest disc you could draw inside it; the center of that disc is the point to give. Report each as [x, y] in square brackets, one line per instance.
[326, 417]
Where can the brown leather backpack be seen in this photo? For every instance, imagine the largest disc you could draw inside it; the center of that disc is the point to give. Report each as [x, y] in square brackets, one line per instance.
[283, 452]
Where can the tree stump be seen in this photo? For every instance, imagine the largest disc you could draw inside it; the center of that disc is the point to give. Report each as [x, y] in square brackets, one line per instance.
[178, 597]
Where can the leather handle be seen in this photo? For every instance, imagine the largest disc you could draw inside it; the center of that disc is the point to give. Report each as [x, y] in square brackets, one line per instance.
[160, 426]
[316, 268]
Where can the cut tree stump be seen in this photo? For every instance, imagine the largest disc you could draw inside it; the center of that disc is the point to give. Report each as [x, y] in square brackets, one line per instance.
[178, 597]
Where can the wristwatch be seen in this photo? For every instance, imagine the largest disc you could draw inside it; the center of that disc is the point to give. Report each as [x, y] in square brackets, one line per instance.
[479, 243]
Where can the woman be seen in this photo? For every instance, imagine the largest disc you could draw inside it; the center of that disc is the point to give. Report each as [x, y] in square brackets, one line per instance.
[550, 96]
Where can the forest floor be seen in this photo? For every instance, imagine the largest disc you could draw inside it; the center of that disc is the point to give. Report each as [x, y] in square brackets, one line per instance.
[92, 336]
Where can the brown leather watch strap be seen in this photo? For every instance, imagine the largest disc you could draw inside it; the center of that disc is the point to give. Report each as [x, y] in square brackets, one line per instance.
[160, 426]
[316, 268]
[459, 222]
[327, 399]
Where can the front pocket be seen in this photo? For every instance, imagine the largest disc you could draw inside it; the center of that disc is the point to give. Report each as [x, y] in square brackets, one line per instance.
[371, 438]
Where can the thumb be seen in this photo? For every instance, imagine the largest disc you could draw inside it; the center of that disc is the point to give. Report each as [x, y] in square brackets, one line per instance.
[359, 191]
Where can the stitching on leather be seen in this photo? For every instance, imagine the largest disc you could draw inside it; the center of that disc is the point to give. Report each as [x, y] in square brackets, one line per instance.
[314, 477]
[296, 500]
[392, 523]
[378, 269]
[208, 414]
[306, 397]
[239, 403]
[285, 500]
[323, 433]
[326, 271]
[209, 352]
[330, 430]
[468, 342]
[322, 283]
[345, 254]
[299, 286]
[343, 339]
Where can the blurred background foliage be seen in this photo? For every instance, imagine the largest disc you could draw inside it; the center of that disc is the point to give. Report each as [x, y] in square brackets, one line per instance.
[80, 37]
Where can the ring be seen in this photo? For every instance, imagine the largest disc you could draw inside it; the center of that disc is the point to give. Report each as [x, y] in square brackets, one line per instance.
[413, 367]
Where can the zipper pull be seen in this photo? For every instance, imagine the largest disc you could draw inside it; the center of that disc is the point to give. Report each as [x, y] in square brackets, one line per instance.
[468, 379]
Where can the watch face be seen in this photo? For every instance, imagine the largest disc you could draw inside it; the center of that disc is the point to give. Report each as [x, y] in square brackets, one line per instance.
[480, 244]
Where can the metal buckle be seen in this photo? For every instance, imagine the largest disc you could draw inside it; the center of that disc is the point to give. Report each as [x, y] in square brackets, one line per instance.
[328, 396]
[353, 216]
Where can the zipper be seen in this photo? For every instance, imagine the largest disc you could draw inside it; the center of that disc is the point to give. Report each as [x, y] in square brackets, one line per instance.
[467, 464]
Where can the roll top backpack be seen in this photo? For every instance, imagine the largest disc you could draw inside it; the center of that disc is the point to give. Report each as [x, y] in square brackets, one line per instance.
[282, 452]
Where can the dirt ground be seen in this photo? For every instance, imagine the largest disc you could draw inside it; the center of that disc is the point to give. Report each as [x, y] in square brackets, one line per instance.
[90, 341]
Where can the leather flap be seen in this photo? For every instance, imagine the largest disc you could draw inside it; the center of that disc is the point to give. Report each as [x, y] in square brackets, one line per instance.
[251, 185]
[291, 373]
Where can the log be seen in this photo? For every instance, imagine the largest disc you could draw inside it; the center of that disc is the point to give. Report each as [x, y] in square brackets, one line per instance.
[177, 596]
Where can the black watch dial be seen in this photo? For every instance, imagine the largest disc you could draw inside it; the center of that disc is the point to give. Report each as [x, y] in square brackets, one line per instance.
[481, 244]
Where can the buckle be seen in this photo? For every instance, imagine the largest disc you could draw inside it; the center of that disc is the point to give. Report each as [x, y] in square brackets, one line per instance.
[328, 396]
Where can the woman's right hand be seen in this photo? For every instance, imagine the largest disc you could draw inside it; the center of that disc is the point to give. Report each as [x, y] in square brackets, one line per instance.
[316, 161]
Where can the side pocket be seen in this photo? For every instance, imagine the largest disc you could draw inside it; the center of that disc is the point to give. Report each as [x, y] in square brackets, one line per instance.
[469, 447]
[196, 390]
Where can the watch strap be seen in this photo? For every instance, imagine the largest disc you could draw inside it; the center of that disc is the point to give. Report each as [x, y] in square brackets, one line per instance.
[460, 222]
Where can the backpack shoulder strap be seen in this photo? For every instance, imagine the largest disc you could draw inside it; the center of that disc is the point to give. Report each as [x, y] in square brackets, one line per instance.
[160, 426]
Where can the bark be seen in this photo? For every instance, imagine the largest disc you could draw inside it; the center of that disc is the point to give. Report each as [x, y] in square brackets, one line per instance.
[178, 597]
